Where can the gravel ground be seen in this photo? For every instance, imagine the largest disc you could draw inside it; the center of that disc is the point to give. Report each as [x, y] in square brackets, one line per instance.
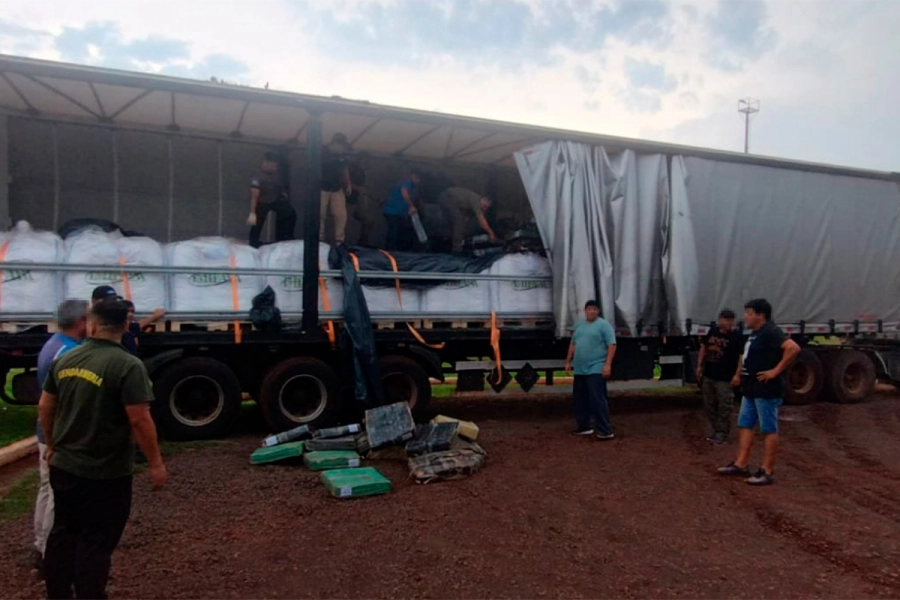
[549, 516]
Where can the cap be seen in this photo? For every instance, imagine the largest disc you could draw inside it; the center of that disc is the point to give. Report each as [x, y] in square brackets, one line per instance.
[103, 291]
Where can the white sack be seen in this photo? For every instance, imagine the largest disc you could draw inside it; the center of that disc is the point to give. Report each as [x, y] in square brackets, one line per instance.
[26, 291]
[211, 291]
[524, 297]
[289, 289]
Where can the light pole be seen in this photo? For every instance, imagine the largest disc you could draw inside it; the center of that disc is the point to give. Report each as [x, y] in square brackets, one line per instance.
[748, 107]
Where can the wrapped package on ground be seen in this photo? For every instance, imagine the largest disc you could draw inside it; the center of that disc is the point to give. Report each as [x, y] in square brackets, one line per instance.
[355, 483]
[211, 290]
[467, 429]
[443, 466]
[362, 443]
[458, 297]
[386, 300]
[288, 256]
[26, 291]
[94, 246]
[340, 443]
[297, 433]
[336, 432]
[325, 460]
[272, 454]
[392, 424]
[432, 437]
[525, 297]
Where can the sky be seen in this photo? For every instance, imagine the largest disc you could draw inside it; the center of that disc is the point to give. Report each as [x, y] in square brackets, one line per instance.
[826, 73]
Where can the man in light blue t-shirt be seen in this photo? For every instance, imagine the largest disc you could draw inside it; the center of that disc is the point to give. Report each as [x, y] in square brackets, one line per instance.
[591, 355]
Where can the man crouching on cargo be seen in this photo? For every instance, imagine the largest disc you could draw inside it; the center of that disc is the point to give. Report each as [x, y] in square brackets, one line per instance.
[767, 355]
[591, 352]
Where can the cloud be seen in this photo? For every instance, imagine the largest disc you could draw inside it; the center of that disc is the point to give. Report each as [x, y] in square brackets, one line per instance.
[648, 75]
[636, 22]
[739, 33]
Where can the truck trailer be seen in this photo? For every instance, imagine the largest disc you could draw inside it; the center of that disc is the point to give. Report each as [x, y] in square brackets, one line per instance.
[663, 235]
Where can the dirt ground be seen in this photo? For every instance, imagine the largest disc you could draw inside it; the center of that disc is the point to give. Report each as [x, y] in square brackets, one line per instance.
[549, 516]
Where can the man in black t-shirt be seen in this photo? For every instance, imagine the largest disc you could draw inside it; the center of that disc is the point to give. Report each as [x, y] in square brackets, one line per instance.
[335, 186]
[718, 371]
[767, 355]
[269, 192]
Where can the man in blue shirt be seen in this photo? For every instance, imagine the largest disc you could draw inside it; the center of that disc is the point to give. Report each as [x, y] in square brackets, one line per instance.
[591, 354]
[398, 212]
[71, 319]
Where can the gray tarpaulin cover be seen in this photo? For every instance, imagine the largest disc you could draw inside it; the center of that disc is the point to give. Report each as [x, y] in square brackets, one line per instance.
[669, 244]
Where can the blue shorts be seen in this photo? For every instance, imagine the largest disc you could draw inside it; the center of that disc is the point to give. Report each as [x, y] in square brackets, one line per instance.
[761, 411]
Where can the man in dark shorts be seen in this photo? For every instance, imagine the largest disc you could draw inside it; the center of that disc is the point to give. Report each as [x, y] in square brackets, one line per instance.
[461, 205]
[364, 207]
[767, 355]
[269, 193]
[335, 187]
[95, 404]
[718, 372]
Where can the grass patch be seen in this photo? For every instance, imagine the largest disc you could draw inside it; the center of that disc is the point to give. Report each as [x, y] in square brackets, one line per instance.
[16, 423]
[19, 500]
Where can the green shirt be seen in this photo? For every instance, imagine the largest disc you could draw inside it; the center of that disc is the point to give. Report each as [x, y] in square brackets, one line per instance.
[591, 342]
[462, 199]
[91, 432]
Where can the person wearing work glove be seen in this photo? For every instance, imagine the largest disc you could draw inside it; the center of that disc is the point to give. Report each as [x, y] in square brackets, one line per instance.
[398, 212]
[269, 192]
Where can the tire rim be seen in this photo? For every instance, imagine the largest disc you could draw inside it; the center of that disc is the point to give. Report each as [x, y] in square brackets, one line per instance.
[801, 379]
[197, 400]
[400, 387]
[854, 379]
[302, 398]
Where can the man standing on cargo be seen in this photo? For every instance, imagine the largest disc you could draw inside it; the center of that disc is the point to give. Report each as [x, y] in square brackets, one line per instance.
[269, 193]
[718, 369]
[767, 355]
[461, 205]
[591, 354]
[398, 212]
[335, 186]
[71, 318]
[94, 406]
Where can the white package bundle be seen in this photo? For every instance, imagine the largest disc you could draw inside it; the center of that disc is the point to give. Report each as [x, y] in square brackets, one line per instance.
[288, 256]
[459, 297]
[25, 291]
[385, 300]
[97, 247]
[523, 297]
[212, 291]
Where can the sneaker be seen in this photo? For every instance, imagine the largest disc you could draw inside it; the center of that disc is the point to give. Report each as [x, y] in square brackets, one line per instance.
[761, 478]
[716, 441]
[605, 436]
[733, 469]
[583, 432]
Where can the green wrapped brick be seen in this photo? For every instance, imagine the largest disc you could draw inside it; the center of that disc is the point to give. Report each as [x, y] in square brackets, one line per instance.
[355, 483]
[331, 459]
[262, 456]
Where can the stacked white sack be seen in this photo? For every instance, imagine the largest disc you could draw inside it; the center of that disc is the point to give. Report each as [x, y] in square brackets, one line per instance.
[97, 247]
[288, 256]
[459, 297]
[26, 291]
[211, 290]
[522, 297]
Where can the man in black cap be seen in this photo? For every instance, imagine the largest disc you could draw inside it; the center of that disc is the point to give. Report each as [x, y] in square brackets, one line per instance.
[335, 186]
[269, 192]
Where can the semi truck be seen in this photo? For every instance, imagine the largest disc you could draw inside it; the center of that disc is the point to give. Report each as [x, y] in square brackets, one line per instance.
[663, 235]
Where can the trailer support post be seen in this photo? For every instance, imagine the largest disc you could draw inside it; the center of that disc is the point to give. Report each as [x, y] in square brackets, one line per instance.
[311, 215]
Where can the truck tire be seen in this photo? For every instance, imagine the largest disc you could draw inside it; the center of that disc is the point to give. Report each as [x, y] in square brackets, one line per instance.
[404, 380]
[300, 391]
[196, 399]
[805, 379]
[850, 376]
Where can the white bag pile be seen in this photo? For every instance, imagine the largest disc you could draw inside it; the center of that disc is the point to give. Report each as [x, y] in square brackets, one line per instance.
[97, 247]
[459, 297]
[522, 297]
[212, 290]
[288, 256]
[25, 291]
[385, 300]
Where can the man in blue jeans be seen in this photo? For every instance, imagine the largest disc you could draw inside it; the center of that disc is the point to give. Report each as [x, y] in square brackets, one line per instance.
[591, 354]
[767, 355]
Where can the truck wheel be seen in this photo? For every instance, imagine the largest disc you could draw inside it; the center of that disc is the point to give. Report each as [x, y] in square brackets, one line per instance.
[196, 398]
[805, 378]
[851, 376]
[405, 381]
[300, 391]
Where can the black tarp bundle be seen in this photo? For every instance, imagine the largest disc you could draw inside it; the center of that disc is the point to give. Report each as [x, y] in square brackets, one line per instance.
[264, 315]
[358, 338]
[411, 262]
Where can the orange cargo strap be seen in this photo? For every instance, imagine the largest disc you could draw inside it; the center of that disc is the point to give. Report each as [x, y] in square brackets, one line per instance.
[326, 303]
[355, 261]
[422, 341]
[125, 278]
[495, 344]
[3, 251]
[395, 269]
[235, 300]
